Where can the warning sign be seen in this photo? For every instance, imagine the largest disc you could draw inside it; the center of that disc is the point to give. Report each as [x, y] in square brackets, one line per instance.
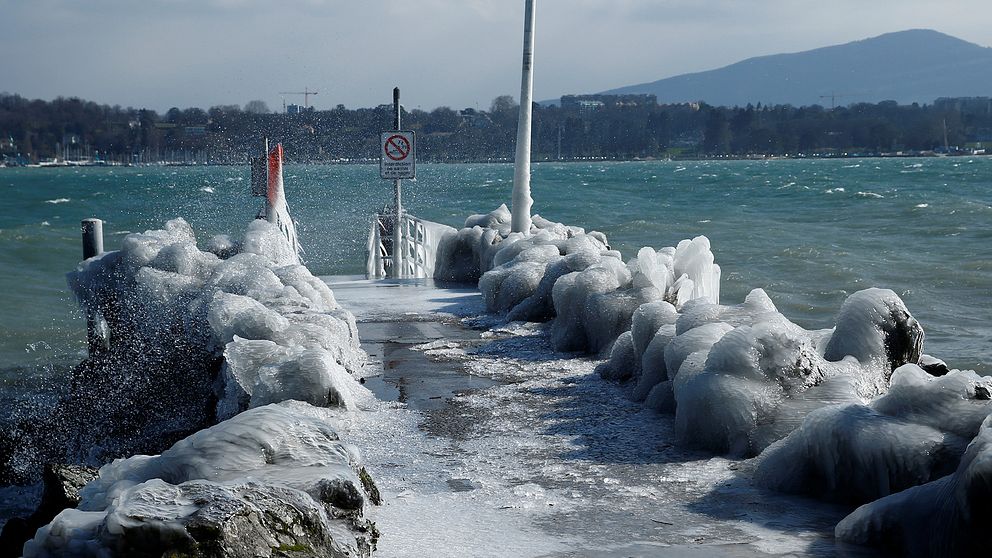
[398, 159]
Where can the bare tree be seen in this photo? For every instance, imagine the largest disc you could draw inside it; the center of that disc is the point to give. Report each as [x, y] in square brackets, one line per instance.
[257, 107]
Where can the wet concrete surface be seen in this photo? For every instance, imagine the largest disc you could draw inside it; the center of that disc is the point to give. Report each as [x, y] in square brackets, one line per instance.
[401, 373]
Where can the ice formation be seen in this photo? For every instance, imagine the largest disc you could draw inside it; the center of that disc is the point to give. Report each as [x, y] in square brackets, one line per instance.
[741, 377]
[946, 517]
[853, 413]
[913, 434]
[272, 478]
[192, 339]
[563, 273]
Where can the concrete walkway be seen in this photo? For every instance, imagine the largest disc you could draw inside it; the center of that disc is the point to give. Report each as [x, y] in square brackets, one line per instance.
[498, 446]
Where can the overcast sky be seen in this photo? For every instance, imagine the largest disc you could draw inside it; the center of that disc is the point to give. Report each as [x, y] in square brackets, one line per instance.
[459, 53]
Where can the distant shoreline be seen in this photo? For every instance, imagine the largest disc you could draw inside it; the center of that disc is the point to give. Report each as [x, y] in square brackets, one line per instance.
[502, 161]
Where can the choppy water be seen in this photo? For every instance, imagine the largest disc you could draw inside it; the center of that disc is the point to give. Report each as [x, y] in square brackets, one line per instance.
[809, 232]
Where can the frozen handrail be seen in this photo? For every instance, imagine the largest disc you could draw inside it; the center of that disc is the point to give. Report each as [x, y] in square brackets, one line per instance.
[419, 240]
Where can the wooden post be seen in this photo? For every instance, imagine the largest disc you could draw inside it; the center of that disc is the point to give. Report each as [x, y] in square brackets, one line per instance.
[92, 238]
[92, 247]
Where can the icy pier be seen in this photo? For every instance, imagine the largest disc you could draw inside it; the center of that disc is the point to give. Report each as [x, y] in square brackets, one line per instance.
[504, 447]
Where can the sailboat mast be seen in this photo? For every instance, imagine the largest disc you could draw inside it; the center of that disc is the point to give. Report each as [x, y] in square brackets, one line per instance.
[521, 201]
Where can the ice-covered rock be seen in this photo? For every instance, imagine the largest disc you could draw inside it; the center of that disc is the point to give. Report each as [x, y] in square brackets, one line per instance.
[539, 306]
[593, 311]
[875, 327]
[946, 517]
[572, 293]
[509, 284]
[622, 362]
[933, 365]
[680, 274]
[458, 254]
[486, 243]
[61, 486]
[913, 434]
[758, 382]
[653, 368]
[701, 311]
[273, 478]
[172, 314]
[499, 218]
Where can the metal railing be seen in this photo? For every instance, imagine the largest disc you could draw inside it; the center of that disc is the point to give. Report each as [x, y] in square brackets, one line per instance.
[418, 249]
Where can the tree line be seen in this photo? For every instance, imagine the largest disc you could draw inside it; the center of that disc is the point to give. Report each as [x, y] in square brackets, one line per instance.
[35, 130]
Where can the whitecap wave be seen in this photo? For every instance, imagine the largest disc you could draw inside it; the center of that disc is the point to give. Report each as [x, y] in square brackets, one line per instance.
[58, 200]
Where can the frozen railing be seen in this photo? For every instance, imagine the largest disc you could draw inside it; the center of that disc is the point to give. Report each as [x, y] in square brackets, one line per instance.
[419, 241]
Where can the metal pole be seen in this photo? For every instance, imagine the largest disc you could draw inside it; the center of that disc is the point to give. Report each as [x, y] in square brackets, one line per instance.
[92, 247]
[521, 201]
[397, 231]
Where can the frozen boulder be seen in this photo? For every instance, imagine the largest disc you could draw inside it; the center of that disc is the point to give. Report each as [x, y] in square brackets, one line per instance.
[933, 365]
[607, 315]
[486, 242]
[223, 246]
[506, 286]
[759, 381]
[272, 478]
[458, 255]
[494, 219]
[946, 517]
[653, 368]
[622, 362]
[731, 405]
[61, 485]
[911, 435]
[875, 327]
[756, 306]
[647, 320]
[699, 339]
[169, 311]
[539, 306]
[571, 295]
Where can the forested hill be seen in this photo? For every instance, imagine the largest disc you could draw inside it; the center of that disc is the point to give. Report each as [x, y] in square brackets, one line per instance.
[915, 66]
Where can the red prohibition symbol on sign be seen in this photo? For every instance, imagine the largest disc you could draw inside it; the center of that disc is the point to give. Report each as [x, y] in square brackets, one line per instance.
[397, 148]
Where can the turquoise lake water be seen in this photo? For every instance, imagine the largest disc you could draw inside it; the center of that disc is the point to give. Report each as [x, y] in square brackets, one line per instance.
[809, 232]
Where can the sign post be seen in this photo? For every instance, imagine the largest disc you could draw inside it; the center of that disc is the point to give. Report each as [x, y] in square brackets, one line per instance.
[397, 161]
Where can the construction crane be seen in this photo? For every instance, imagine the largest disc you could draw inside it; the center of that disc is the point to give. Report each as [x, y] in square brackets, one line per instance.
[306, 95]
[833, 98]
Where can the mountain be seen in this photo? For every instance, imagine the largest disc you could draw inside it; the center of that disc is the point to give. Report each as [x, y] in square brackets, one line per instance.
[918, 65]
